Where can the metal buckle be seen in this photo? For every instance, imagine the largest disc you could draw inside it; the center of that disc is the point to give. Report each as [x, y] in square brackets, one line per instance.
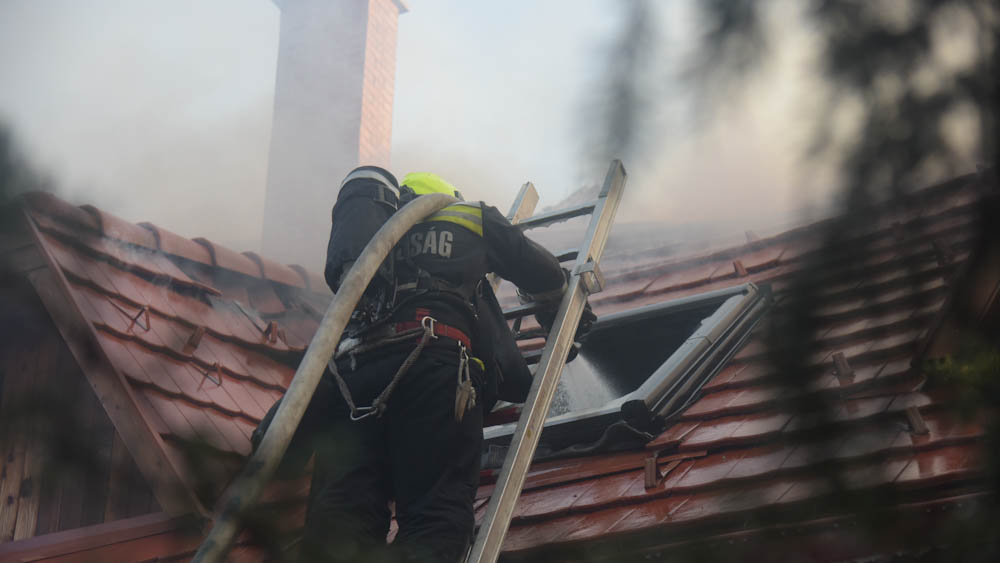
[428, 323]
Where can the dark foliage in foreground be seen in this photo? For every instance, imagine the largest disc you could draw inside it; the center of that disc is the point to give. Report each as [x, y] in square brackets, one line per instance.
[888, 61]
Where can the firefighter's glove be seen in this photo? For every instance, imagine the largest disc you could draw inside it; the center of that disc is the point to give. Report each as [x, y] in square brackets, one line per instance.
[574, 351]
[551, 300]
[547, 317]
[587, 320]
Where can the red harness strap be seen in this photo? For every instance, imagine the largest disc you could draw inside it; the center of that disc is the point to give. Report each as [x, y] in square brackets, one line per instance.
[439, 330]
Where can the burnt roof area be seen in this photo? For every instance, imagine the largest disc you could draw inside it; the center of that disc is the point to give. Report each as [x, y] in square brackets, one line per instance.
[773, 400]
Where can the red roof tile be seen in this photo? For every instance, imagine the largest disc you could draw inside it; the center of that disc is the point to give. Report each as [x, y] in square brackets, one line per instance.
[200, 365]
[273, 271]
[223, 257]
[176, 245]
[113, 227]
[314, 282]
[68, 214]
[875, 321]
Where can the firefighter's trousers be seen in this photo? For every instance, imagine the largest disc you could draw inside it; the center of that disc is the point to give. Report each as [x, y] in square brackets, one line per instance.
[416, 455]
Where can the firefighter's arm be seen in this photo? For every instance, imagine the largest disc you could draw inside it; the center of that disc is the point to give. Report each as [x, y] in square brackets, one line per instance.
[513, 256]
[533, 269]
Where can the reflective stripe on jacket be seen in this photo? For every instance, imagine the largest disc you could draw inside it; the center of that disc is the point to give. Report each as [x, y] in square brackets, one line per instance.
[468, 215]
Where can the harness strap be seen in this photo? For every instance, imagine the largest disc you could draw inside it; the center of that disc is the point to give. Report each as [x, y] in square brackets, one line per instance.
[378, 406]
[438, 329]
[355, 346]
[401, 332]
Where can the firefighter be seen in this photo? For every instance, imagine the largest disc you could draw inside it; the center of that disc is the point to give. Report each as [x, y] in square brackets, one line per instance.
[398, 415]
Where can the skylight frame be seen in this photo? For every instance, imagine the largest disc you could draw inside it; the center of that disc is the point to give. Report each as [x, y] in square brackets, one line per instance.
[677, 379]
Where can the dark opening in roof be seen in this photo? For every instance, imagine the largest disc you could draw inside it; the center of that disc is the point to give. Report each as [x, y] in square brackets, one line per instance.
[636, 367]
[623, 350]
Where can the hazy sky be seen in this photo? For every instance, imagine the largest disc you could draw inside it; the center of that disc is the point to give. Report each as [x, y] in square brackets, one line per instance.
[160, 110]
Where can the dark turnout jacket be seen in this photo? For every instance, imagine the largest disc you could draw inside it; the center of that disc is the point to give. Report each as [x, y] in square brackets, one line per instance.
[444, 260]
[456, 248]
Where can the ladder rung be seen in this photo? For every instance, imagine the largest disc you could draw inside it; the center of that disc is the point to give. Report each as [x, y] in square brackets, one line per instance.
[525, 310]
[531, 333]
[568, 254]
[557, 215]
[533, 356]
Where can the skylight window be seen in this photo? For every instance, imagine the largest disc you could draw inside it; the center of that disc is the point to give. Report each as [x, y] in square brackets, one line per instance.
[638, 366]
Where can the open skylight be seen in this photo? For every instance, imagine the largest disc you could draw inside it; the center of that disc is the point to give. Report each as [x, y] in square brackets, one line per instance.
[638, 366]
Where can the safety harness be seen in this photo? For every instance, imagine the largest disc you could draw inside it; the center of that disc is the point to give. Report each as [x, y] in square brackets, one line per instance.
[426, 329]
[381, 333]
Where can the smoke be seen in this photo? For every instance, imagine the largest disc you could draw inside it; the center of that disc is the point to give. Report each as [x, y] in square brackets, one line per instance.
[628, 99]
[203, 177]
[704, 158]
[151, 111]
[17, 173]
[165, 115]
[716, 107]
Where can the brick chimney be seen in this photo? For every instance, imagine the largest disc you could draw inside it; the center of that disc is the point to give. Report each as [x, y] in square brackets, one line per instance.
[332, 111]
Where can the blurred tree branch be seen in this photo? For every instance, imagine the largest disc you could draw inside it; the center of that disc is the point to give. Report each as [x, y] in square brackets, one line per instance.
[908, 99]
[916, 74]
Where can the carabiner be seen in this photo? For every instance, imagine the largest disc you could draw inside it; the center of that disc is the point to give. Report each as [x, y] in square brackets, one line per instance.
[465, 393]
[368, 411]
[428, 323]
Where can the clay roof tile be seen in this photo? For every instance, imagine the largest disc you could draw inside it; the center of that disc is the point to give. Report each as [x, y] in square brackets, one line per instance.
[44, 202]
[120, 229]
[230, 259]
[273, 271]
[314, 282]
[172, 243]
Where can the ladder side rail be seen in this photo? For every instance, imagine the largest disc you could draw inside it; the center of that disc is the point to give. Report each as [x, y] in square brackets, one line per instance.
[507, 489]
[524, 204]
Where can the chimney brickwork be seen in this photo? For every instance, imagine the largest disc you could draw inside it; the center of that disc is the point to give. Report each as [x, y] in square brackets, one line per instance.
[379, 83]
[332, 111]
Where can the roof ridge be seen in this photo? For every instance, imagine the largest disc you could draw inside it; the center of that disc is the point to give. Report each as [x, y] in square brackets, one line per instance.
[149, 236]
[736, 250]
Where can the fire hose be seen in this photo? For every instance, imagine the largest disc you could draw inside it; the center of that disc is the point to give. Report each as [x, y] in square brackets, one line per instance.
[249, 484]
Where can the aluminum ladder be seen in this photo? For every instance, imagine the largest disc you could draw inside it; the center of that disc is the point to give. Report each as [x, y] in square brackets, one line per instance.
[585, 279]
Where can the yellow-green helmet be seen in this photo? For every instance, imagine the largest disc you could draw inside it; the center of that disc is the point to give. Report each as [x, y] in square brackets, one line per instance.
[423, 183]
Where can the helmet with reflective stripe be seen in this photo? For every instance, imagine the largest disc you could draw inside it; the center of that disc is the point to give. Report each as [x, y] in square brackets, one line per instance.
[380, 175]
[423, 183]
